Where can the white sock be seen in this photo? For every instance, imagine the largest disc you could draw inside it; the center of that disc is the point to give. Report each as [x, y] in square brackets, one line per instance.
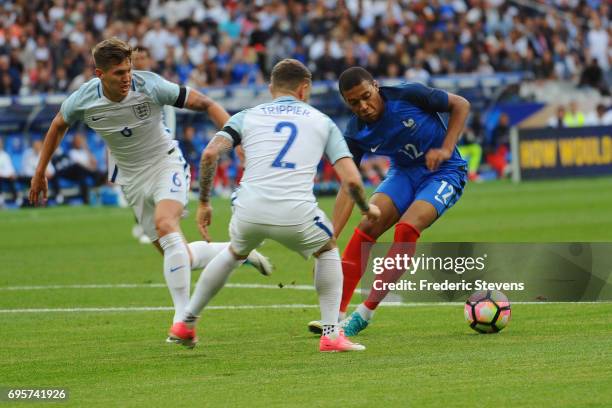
[176, 271]
[328, 282]
[203, 252]
[211, 280]
[364, 312]
[330, 330]
[341, 316]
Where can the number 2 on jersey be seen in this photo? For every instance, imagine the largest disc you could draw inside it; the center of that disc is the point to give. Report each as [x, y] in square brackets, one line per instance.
[278, 162]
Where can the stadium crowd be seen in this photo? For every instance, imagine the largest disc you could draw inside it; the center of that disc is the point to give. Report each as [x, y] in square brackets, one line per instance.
[45, 45]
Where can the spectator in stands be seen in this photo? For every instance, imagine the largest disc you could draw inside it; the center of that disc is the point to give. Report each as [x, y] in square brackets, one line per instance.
[600, 117]
[81, 78]
[28, 167]
[79, 166]
[593, 76]
[10, 77]
[573, 117]
[244, 68]
[497, 151]
[198, 77]
[61, 81]
[556, 121]
[190, 152]
[470, 145]
[327, 65]
[157, 40]
[8, 177]
[388, 37]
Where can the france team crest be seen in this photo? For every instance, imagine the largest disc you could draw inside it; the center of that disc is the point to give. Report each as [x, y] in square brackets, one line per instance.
[142, 110]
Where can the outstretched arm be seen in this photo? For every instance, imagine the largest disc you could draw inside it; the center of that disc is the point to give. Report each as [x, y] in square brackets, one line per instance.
[197, 101]
[208, 167]
[343, 208]
[459, 109]
[54, 136]
[351, 187]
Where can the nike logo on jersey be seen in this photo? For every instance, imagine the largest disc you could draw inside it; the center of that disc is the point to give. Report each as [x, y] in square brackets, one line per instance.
[96, 118]
[174, 190]
[176, 268]
[374, 149]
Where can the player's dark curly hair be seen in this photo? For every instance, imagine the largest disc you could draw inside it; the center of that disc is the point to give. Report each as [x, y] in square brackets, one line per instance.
[352, 77]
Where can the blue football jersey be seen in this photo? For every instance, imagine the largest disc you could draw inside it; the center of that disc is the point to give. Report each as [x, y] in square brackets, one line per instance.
[410, 125]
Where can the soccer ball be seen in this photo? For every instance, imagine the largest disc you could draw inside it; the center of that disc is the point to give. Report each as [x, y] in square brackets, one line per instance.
[487, 311]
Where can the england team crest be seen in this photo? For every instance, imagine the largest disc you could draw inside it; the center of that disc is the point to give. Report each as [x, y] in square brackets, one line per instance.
[142, 110]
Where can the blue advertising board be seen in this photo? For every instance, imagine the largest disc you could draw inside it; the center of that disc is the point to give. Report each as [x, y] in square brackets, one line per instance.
[566, 152]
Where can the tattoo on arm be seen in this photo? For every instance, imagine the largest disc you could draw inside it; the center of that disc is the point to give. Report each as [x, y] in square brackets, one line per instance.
[208, 165]
[358, 195]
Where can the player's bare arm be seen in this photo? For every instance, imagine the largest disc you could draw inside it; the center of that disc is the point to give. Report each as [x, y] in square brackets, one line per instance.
[343, 208]
[54, 136]
[208, 167]
[197, 101]
[459, 109]
[353, 187]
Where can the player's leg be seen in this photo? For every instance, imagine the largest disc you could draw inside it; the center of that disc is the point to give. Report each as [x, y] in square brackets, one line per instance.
[203, 252]
[328, 282]
[169, 192]
[158, 209]
[316, 238]
[357, 251]
[420, 215]
[356, 254]
[392, 197]
[244, 238]
[399, 192]
[434, 196]
[177, 268]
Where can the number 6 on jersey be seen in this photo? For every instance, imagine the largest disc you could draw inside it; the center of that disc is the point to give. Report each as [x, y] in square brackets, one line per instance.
[278, 162]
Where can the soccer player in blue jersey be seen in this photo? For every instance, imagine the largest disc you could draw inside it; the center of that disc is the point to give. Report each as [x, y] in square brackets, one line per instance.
[427, 173]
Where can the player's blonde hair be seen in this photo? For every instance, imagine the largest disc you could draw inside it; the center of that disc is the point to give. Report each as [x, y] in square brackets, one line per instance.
[112, 51]
[289, 74]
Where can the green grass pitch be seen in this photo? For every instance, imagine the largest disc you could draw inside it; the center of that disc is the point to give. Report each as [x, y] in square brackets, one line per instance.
[555, 355]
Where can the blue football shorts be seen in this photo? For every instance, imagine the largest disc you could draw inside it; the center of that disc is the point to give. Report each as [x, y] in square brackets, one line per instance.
[441, 188]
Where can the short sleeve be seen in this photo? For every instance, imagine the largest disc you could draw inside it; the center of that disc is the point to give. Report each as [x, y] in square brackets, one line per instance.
[355, 150]
[336, 147]
[233, 128]
[70, 110]
[353, 146]
[429, 99]
[163, 92]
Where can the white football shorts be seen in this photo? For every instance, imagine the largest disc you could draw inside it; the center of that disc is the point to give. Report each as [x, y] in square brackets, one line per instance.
[305, 239]
[169, 179]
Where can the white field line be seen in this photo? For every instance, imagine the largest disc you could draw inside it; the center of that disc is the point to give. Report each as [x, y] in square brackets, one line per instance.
[149, 285]
[247, 307]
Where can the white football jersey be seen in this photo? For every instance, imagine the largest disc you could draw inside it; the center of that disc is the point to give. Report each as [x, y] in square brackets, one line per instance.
[283, 143]
[133, 129]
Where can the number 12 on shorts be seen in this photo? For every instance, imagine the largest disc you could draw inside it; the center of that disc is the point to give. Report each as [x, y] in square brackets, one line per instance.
[442, 196]
[278, 162]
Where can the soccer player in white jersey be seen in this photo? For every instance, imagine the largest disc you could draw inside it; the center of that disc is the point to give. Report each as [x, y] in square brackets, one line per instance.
[142, 61]
[125, 109]
[283, 142]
